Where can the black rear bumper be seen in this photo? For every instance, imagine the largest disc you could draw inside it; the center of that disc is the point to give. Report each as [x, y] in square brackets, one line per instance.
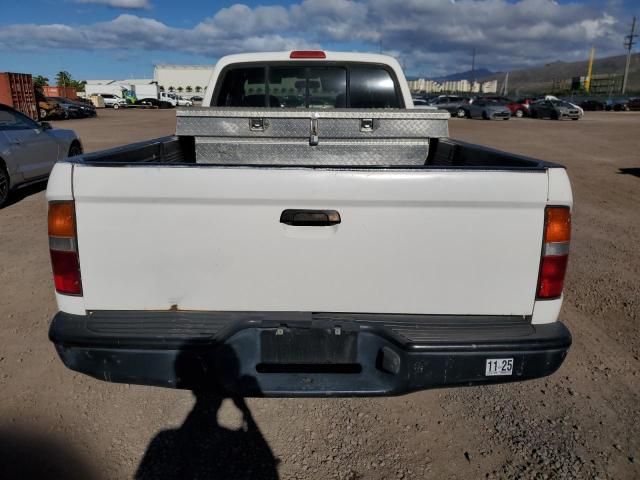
[304, 354]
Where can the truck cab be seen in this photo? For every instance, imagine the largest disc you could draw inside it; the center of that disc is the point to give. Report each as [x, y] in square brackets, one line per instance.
[168, 97]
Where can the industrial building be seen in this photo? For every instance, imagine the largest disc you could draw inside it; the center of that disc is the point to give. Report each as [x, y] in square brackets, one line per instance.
[114, 87]
[605, 84]
[422, 85]
[187, 80]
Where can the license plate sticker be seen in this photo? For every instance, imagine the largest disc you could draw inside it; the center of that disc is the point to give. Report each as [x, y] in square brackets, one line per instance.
[499, 366]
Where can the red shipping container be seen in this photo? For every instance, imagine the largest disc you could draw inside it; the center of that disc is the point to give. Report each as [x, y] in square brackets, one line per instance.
[65, 92]
[16, 90]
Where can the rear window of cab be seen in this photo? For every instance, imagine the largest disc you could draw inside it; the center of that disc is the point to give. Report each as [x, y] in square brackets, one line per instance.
[308, 86]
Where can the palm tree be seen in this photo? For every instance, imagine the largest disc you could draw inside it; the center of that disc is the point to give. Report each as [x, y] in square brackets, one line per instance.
[171, 89]
[189, 89]
[63, 78]
[79, 86]
[161, 88]
[180, 89]
[198, 89]
[39, 81]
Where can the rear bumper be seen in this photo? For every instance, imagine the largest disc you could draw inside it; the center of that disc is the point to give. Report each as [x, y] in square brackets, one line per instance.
[224, 352]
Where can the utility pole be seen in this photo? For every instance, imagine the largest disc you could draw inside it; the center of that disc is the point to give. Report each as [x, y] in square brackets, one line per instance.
[473, 66]
[505, 85]
[629, 42]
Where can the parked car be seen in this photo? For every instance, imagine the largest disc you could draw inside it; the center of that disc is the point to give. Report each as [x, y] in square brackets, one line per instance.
[28, 150]
[309, 280]
[196, 99]
[634, 104]
[489, 109]
[617, 104]
[593, 105]
[421, 103]
[570, 103]
[113, 101]
[454, 104]
[48, 109]
[554, 109]
[526, 102]
[517, 109]
[183, 102]
[88, 109]
[153, 103]
[73, 109]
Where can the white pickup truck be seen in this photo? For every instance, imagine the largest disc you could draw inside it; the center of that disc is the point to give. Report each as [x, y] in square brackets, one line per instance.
[308, 233]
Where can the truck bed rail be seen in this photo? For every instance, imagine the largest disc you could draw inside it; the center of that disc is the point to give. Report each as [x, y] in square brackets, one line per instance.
[443, 154]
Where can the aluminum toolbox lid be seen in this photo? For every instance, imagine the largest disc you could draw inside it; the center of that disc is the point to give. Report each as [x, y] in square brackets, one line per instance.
[390, 113]
[297, 123]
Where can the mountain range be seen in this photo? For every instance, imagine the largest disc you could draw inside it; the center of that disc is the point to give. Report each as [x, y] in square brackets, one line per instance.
[469, 75]
[542, 78]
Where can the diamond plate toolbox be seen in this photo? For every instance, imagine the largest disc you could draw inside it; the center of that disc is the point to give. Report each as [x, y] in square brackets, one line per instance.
[250, 136]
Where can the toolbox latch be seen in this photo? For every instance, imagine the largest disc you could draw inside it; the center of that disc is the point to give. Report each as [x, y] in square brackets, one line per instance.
[257, 124]
[366, 125]
[313, 134]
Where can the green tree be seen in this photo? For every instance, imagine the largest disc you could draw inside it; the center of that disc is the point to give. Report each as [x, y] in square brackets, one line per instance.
[39, 81]
[198, 89]
[78, 85]
[63, 79]
[171, 89]
[189, 89]
[180, 89]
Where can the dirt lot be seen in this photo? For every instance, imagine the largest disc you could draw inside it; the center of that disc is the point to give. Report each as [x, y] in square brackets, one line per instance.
[583, 422]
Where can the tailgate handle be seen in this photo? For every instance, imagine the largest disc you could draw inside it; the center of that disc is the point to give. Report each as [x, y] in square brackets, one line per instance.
[310, 218]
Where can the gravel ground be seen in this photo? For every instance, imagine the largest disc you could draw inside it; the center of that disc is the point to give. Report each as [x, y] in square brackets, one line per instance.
[582, 422]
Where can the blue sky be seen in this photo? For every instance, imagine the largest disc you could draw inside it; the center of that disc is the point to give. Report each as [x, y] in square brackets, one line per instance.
[125, 38]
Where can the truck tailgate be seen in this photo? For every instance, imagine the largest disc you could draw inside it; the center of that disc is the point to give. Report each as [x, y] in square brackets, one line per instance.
[211, 238]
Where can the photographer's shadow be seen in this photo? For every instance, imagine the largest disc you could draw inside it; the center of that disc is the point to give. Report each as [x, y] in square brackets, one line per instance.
[203, 449]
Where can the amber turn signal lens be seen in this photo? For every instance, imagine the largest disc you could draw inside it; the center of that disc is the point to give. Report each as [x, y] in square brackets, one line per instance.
[558, 224]
[62, 219]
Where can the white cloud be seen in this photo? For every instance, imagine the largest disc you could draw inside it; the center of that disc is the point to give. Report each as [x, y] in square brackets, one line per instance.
[430, 36]
[129, 4]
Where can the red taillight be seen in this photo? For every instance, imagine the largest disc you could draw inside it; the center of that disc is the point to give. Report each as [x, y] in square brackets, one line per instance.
[308, 54]
[66, 272]
[555, 252]
[552, 272]
[63, 248]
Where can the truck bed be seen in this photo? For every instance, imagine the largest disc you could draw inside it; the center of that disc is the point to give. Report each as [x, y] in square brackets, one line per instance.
[411, 239]
[443, 154]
